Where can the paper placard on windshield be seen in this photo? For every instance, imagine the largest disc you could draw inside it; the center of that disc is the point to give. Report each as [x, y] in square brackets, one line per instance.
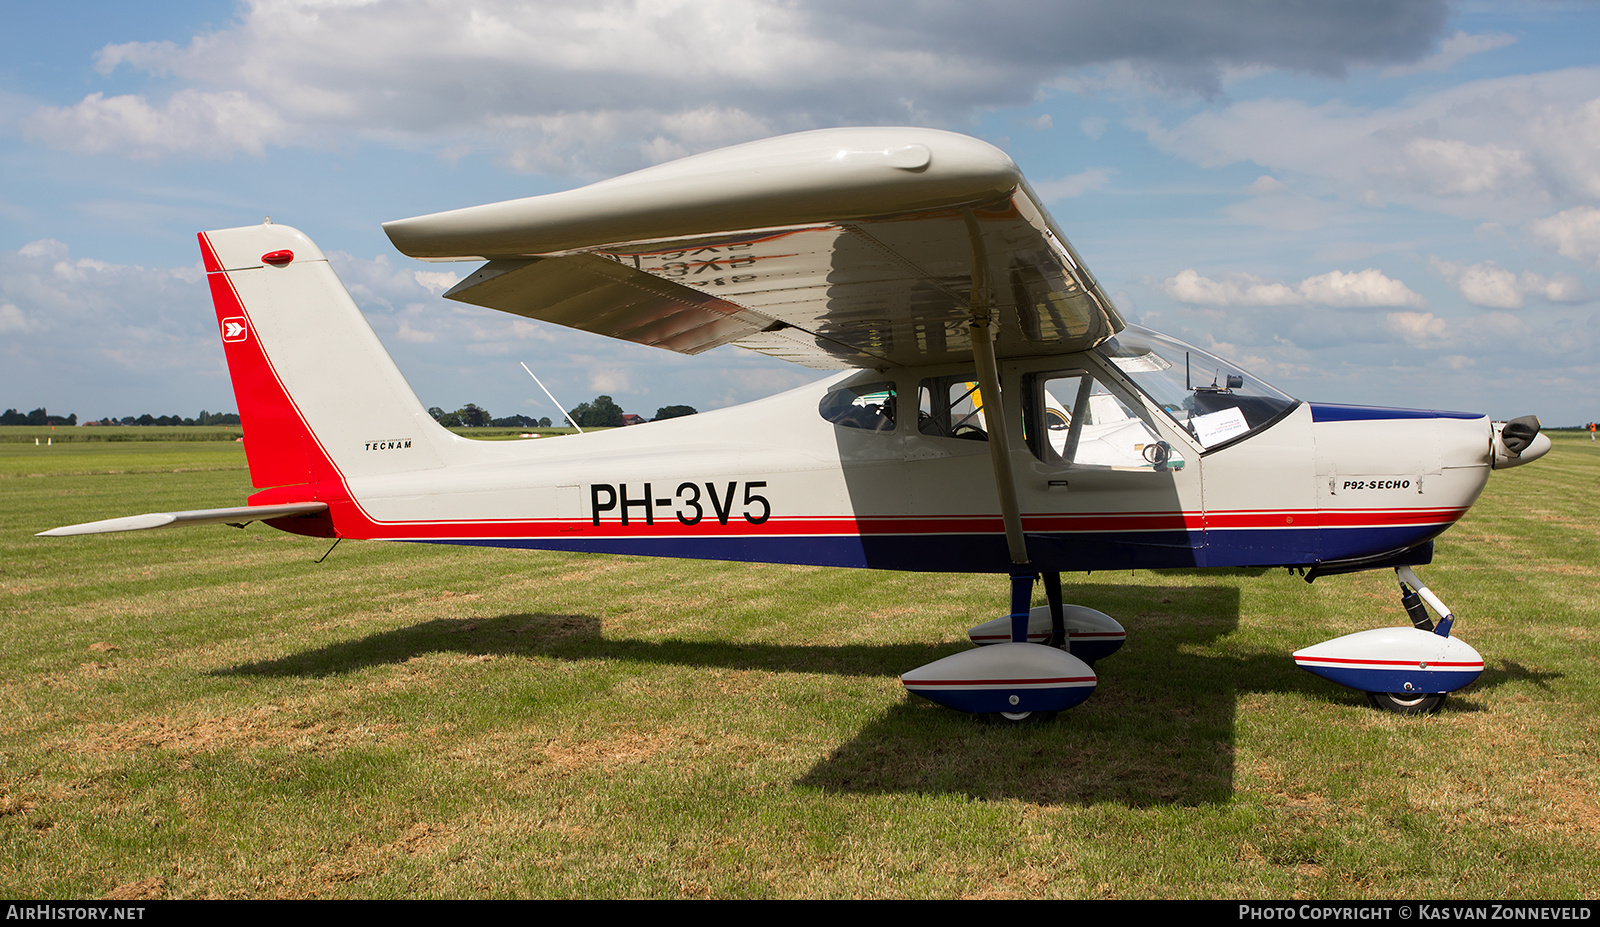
[1217, 427]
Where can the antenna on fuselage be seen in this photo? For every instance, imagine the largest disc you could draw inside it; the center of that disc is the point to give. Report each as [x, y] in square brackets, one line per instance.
[553, 399]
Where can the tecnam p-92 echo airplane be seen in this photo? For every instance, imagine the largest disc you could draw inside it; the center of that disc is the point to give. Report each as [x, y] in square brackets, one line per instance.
[993, 412]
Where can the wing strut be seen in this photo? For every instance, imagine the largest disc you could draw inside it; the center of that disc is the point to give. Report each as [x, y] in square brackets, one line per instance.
[988, 369]
[989, 382]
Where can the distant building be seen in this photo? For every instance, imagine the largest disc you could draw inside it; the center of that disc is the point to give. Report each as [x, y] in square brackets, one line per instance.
[628, 418]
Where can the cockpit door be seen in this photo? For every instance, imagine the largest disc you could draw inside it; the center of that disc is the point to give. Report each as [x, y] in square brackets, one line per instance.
[1104, 481]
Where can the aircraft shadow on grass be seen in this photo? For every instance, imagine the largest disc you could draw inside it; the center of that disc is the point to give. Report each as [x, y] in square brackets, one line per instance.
[1160, 729]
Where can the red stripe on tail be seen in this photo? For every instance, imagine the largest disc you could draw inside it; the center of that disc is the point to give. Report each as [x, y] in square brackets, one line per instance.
[279, 447]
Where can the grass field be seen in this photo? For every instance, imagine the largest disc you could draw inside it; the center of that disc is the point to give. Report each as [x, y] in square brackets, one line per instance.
[208, 713]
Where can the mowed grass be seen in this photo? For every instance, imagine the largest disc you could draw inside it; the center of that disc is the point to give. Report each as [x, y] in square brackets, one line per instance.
[209, 713]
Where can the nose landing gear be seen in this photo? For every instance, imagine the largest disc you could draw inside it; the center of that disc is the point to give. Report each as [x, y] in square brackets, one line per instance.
[1403, 670]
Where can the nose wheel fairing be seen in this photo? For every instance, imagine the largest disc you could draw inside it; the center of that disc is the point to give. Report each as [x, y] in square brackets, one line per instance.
[1399, 667]
[1406, 661]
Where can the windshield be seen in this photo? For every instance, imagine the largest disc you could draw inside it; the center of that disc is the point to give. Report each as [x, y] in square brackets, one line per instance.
[1213, 400]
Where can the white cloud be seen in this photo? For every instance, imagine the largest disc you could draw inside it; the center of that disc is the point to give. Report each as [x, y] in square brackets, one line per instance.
[1451, 167]
[436, 281]
[1500, 149]
[1575, 233]
[45, 248]
[1361, 289]
[610, 380]
[87, 335]
[86, 297]
[1418, 327]
[525, 330]
[1233, 290]
[1274, 205]
[1561, 288]
[1266, 186]
[1484, 284]
[1076, 185]
[546, 83]
[620, 140]
[1490, 285]
[1453, 51]
[12, 321]
[376, 283]
[191, 122]
[414, 335]
[1497, 330]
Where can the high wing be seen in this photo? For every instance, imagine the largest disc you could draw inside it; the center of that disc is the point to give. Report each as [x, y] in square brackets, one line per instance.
[836, 248]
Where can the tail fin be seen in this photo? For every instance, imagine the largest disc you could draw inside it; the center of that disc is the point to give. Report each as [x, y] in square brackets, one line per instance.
[319, 397]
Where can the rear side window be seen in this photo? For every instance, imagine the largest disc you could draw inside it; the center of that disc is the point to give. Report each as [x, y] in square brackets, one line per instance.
[869, 406]
[951, 407]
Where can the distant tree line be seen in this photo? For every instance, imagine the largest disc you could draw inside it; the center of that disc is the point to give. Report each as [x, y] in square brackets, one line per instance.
[41, 417]
[600, 412]
[474, 416]
[204, 418]
[666, 412]
[36, 417]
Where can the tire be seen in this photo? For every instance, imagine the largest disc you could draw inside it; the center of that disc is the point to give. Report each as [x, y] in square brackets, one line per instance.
[1406, 703]
[1017, 718]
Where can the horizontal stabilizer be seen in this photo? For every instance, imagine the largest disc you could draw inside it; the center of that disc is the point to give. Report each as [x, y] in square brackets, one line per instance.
[236, 515]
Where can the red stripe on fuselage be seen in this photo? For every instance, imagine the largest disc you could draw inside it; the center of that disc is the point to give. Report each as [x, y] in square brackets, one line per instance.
[1332, 518]
[356, 523]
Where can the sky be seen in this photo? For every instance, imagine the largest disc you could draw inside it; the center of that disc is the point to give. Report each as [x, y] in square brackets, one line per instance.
[1391, 202]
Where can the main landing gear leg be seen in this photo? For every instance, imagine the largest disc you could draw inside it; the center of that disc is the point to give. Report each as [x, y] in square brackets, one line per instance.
[1079, 630]
[1407, 671]
[1021, 610]
[1058, 618]
[1021, 605]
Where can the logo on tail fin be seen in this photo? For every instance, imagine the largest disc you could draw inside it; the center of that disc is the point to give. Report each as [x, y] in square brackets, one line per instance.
[235, 329]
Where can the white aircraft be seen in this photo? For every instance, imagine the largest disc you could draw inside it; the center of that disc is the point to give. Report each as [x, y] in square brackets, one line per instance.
[993, 413]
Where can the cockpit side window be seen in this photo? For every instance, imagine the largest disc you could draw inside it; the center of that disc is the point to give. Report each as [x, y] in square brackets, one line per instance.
[951, 407]
[1075, 419]
[869, 406]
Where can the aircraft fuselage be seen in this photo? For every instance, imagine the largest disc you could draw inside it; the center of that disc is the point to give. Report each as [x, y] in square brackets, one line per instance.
[776, 481]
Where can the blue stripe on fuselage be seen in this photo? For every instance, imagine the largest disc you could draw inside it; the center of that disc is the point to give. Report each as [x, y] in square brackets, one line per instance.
[987, 553]
[1332, 412]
